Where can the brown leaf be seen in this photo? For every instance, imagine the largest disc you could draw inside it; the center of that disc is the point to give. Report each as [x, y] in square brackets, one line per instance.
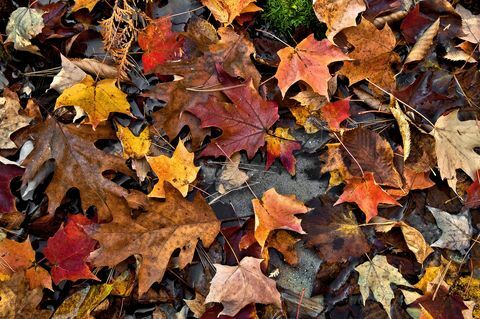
[10, 120]
[285, 244]
[423, 44]
[165, 226]
[238, 286]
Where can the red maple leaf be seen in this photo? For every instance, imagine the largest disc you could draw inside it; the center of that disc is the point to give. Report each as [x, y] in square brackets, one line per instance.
[243, 123]
[366, 194]
[334, 113]
[7, 173]
[159, 43]
[68, 250]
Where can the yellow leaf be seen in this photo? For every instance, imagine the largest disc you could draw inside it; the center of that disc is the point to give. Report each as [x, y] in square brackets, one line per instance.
[225, 11]
[134, 146]
[431, 275]
[98, 100]
[179, 170]
[80, 4]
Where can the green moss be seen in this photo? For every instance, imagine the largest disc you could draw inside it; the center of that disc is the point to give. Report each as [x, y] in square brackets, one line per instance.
[286, 15]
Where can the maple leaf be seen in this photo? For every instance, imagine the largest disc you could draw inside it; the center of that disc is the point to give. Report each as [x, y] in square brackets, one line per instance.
[231, 177]
[244, 123]
[232, 51]
[373, 153]
[376, 276]
[338, 15]
[473, 193]
[159, 43]
[7, 173]
[238, 286]
[285, 244]
[373, 54]
[98, 100]
[336, 112]
[333, 232]
[308, 114]
[156, 234]
[69, 249]
[276, 211]
[76, 157]
[10, 120]
[455, 143]
[456, 229]
[308, 62]
[134, 146]
[281, 145]
[179, 170]
[366, 194]
[81, 4]
[225, 11]
[470, 25]
[23, 25]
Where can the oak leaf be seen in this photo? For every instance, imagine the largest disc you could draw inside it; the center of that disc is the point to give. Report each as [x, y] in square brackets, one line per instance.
[373, 54]
[10, 119]
[276, 211]
[238, 286]
[308, 62]
[69, 249]
[244, 123]
[154, 235]
[281, 145]
[98, 100]
[179, 170]
[225, 11]
[7, 173]
[159, 43]
[455, 143]
[333, 232]
[366, 193]
[473, 193]
[338, 15]
[134, 146]
[373, 153]
[376, 276]
[75, 157]
[456, 229]
[23, 25]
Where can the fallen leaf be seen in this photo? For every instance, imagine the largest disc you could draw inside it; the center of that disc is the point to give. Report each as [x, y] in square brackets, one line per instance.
[225, 11]
[179, 170]
[473, 193]
[134, 146]
[366, 193]
[376, 276]
[308, 62]
[308, 114]
[373, 55]
[247, 312]
[470, 25]
[332, 162]
[83, 302]
[456, 229]
[338, 15]
[431, 274]
[231, 177]
[15, 256]
[75, 157]
[7, 174]
[197, 305]
[284, 243]
[98, 100]
[414, 239]
[159, 43]
[335, 113]
[10, 120]
[165, 227]
[423, 44]
[244, 123]
[23, 25]
[276, 211]
[69, 75]
[38, 277]
[69, 249]
[413, 180]
[280, 144]
[455, 143]
[237, 286]
[403, 126]
[373, 153]
[81, 4]
[333, 232]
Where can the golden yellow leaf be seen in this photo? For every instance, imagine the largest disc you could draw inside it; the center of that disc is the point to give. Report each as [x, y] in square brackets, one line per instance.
[179, 170]
[134, 146]
[80, 4]
[98, 100]
[431, 275]
[225, 11]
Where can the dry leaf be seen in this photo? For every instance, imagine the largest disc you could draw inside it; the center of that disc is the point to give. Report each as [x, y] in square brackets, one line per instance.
[136, 147]
[423, 44]
[470, 25]
[403, 125]
[69, 75]
[456, 229]
[10, 120]
[197, 305]
[23, 25]
[225, 11]
[231, 177]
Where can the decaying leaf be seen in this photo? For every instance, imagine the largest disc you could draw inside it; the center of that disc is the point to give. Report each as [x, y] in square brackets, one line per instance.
[456, 229]
[403, 126]
[82, 302]
[276, 211]
[281, 145]
[81, 4]
[455, 143]
[376, 276]
[10, 120]
[166, 226]
[285, 244]
[225, 11]
[179, 170]
[238, 286]
[470, 25]
[423, 44]
[69, 75]
[98, 100]
[333, 163]
[23, 25]
[308, 62]
[197, 305]
[7, 173]
[231, 177]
